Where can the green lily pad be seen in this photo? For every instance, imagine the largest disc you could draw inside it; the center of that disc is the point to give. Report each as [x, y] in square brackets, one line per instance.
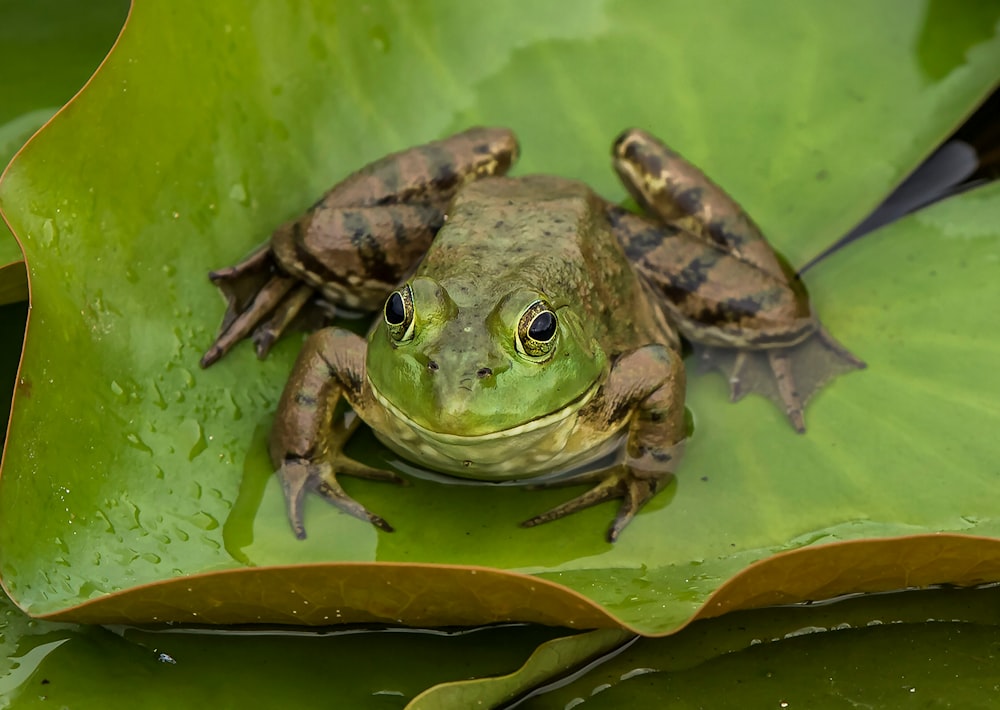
[142, 478]
[54, 46]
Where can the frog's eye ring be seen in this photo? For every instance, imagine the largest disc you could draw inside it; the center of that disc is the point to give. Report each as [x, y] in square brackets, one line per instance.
[536, 331]
[398, 314]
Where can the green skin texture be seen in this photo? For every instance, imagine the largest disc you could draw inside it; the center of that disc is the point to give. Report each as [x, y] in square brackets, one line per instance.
[451, 378]
[472, 289]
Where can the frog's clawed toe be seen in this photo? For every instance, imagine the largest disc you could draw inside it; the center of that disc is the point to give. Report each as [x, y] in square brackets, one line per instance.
[262, 302]
[299, 475]
[634, 489]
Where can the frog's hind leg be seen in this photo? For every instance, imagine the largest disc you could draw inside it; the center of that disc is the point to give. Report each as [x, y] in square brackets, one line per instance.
[356, 243]
[675, 191]
[744, 310]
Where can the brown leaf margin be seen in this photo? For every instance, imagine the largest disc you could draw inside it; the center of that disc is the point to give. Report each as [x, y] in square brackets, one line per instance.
[450, 595]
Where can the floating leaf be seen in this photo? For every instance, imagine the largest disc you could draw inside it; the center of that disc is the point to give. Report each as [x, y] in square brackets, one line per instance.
[135, 471]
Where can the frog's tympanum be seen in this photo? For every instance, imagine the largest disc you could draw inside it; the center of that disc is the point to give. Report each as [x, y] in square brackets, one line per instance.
[525, 325]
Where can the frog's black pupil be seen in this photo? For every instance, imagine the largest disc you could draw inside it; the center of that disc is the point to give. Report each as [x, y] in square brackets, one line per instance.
[394, 312]
[543, 327]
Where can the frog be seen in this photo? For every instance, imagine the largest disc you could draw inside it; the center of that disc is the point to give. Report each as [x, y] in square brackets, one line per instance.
[525, 329]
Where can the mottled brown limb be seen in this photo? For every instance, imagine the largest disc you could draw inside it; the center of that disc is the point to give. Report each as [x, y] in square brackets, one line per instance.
[430, 173]
[307, 441]
[711, 296]
[355, 256]
[673, 189]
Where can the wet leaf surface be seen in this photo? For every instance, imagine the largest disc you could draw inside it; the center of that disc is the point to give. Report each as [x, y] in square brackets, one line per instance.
[148, 470]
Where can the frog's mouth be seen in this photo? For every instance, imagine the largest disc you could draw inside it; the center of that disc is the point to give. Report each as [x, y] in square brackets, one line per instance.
[541, 424]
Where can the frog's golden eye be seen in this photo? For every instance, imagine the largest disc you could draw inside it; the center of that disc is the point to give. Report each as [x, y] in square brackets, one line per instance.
[398, 314]
[536, 331]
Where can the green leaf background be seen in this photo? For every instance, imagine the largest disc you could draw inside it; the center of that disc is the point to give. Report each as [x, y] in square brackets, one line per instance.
[209, 125]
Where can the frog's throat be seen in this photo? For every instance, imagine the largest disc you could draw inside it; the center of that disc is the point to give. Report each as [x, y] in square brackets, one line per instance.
[548, 421]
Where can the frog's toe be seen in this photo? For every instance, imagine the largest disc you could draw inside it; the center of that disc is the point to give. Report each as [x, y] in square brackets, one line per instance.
[633, 488]
[284, 313]
[298, 476]
[784, 380]
[605, 490]
[330, 488]
[350, 467]
[242, 318]
[294, 476]
[262, 302]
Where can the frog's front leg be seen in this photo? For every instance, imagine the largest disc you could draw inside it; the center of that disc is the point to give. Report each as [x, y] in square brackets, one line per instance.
[743, 309]
[306, 442]
[357, 243]
[645, 392]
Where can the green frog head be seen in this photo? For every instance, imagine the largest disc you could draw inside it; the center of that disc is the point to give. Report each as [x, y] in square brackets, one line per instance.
[476, 364]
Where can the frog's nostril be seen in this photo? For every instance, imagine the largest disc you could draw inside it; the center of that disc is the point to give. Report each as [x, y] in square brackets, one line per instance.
[432, 365]
[483, 372]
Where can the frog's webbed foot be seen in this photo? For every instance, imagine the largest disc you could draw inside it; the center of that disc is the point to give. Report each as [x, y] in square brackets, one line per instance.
[301, 475]
[261, 302]
[635, 487]
[789, 377]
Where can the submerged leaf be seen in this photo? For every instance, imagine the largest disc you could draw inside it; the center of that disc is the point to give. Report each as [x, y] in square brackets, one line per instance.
[44, 664]
[551, 660]
[135, 471]
[48, 49]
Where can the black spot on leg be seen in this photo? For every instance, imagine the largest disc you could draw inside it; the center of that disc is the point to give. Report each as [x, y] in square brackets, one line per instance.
[690, 200]
[651, 163]
[697, 272]
[356, 226]
[371, 253]
[441, 168]
[305, 400]
[744, 306]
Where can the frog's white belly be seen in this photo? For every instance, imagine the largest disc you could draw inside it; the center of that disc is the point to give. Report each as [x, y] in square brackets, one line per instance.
[531, 449]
